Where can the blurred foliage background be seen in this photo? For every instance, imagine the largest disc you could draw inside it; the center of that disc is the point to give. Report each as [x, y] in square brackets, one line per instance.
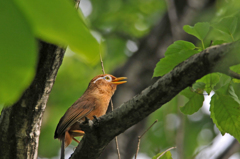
[121, 24]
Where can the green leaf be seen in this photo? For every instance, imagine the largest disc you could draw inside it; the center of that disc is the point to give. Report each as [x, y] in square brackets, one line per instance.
[236, 68]
[218, 42]
[194, 104]
[175, 54]
[58, 22]
[210, 80]
[18, 53]
[225, 113]
[224, 79]
[232, 93]
[215, 121]
[227, 25]
[179, 46]
[167, 155]
[199, 30]
[198, 87]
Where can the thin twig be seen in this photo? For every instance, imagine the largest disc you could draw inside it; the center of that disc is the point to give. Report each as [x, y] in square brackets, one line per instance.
[77, 4]
[116, 140]
[102, 63]
[173, 18]
[211, 42]
[139, 137]
[166, 151]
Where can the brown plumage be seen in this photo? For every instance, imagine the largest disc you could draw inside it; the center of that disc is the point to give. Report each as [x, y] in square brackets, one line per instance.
[94, 102]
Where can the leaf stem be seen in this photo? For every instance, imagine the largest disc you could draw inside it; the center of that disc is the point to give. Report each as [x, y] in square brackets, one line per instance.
[232, 37]
[203, 45]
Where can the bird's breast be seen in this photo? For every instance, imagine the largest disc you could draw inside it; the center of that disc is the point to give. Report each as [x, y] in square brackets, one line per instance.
[101, 107]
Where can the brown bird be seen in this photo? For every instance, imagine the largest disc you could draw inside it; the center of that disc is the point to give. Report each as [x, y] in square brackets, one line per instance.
[94, 102]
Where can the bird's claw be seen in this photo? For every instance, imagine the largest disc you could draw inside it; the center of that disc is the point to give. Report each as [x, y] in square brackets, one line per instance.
[86, 120]
[96, 120]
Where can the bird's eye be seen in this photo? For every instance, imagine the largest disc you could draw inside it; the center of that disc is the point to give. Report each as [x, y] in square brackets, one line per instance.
[108, 78]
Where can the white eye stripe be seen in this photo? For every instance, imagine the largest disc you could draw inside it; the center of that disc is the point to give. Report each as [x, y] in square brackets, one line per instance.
[97, 79]
[105, 77]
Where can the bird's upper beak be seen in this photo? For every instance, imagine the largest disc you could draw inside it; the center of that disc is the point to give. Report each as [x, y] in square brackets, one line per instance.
[117, 80]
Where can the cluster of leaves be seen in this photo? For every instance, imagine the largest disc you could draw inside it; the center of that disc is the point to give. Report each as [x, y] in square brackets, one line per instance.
[22, 22]
[182, 50]
[225, 104]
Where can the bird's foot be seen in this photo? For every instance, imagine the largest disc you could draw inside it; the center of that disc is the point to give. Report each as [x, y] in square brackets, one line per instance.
[86, 125]
[86, 120]
[96, 120]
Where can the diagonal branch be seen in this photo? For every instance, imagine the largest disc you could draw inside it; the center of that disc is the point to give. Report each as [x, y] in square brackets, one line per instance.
[213, 59]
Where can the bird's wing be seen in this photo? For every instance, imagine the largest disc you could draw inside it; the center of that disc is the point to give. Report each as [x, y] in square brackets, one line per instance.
[79, 110]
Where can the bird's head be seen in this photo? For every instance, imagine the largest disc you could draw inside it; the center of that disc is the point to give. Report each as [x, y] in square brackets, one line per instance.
[106, 82]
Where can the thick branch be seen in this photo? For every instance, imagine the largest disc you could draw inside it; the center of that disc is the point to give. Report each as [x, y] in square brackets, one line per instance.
[139, 69]
[214, 59]
[20, 123]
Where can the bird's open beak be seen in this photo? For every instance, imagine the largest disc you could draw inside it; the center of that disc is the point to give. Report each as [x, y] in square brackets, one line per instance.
[117, 80]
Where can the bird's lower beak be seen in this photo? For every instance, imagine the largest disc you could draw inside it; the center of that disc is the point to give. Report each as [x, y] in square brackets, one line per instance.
[117, 80]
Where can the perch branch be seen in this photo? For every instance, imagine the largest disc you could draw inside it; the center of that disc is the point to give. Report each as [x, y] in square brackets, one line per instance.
[212, 59]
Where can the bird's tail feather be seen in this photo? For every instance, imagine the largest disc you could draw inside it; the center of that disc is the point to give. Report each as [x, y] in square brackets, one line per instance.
[62, 148]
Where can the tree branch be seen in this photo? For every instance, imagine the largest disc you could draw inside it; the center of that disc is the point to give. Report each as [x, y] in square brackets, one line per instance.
[141, 65]
[213, 59]
[20, 123]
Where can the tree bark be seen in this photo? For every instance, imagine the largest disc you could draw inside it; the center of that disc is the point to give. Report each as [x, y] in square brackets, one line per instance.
[20, 123]
[214, 59]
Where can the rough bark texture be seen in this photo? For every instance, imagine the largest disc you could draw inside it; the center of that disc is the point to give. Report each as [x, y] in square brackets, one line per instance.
[20, 123]
[214, 59]
[139, 68]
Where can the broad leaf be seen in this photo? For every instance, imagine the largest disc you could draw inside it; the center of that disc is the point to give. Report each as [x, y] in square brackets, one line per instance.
[224, 80]
[179, 46]
[17, 53]
[236, 68]
[218, 42]
[167, 155]
[199, 30]
[58, 22]
[175, 54]
[225, 110]
[227, 25]
[210, 80]
[198, 87]
[195, 101]
[213, 114]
